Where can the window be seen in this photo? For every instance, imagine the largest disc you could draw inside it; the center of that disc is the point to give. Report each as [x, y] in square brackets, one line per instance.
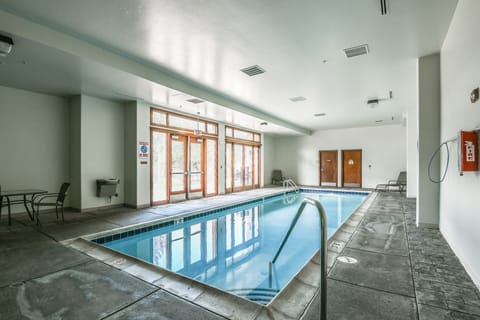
[242, 159]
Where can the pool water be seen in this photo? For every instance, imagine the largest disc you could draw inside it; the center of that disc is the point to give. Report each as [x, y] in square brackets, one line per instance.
[231, 249]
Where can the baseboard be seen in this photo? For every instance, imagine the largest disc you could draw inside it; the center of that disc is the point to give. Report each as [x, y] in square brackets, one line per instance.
[428, 226]
[139, 206]
[111, 206]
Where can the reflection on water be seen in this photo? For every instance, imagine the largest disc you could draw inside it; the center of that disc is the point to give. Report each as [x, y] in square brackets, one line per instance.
[231, 250]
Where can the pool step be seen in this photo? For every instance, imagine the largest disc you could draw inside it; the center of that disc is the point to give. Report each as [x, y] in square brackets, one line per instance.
[261, 295]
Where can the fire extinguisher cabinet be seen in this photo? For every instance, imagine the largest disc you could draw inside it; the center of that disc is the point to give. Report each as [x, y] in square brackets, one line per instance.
[107, 187]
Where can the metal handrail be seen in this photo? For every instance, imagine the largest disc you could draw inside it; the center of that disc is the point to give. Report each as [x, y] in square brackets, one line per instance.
[323, 250]
[290, 182]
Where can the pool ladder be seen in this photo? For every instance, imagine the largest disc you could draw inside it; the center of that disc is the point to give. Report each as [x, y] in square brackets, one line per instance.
[323, 251]
[290, 183]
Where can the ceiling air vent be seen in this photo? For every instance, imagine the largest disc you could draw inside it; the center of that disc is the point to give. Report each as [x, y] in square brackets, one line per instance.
[195, 100]
[356, 51]
[384, 7]
[298, 99]
[253, 70]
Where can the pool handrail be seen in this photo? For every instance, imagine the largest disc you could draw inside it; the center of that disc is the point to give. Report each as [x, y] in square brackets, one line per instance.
[323, 250]
[289, 182]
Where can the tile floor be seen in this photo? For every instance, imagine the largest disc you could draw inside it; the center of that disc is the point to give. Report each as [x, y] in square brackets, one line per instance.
[402, 272]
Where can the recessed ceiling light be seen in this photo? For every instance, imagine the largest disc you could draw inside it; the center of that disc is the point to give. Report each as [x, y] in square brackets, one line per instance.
[264, 123]
[297, 99]
[378, 121]
[323, 114]
[6, 45]
[253, 70]
[356, 51]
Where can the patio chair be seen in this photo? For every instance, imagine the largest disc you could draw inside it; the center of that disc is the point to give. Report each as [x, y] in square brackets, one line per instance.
[277, 177]
[39, 201]
[400, 184]
[7, 203]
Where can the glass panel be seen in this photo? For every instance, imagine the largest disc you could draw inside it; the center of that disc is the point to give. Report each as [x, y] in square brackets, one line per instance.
[211, 240]
[195, 243]
[159, 117]
[240, 134]
[212, 128]
[195, 166]
[160, 251]
[248, 169]
[178, 165]
[256, 137]
[238, 165]
[228, 132]
[228, 165]
[186, 123]
[177, 250]
[159, 166]
[211, 177]
[255, 165]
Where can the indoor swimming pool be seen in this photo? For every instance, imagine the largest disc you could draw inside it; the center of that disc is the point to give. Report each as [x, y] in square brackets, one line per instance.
[231, 248]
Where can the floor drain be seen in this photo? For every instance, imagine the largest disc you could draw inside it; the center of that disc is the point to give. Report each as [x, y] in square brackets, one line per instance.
[348, 260]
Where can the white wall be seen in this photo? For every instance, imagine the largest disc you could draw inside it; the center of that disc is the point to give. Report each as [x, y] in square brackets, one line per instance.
[412, 145]
[428, 140]
[143, 171]
[269, 157]
[131, 154]
[102, 149]
[383, 147]
[34, 141]
[460, 65]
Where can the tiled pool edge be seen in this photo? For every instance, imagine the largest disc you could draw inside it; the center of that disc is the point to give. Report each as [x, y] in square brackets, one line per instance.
[290, 303]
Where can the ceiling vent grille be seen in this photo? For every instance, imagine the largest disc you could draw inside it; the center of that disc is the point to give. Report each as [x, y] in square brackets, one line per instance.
[253, 70]
[298, 99]
[357, 51]
[384, 7]
[195, 100]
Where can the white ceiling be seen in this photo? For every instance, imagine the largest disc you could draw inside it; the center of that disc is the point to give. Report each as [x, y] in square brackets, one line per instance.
[209, 41]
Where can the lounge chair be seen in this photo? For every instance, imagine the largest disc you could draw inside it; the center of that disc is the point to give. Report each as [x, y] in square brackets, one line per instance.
[277, 177]
[398, 185]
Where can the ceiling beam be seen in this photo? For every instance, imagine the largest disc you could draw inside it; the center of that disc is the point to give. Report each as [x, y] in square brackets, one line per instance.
[21, 27]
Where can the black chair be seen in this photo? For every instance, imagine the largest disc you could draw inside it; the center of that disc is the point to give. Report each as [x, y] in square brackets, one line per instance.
[7, 203]
[58, 204]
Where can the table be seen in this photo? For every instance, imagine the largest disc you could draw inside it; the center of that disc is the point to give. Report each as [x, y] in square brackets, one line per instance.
[17, 193]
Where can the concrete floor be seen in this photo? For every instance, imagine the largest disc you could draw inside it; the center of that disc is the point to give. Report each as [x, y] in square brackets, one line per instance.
[402, 272]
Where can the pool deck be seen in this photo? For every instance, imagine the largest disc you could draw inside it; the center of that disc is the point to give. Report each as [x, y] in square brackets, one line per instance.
[402, 272]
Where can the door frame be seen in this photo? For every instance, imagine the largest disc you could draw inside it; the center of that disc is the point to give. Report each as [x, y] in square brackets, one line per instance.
[361, 165]
[320, 167]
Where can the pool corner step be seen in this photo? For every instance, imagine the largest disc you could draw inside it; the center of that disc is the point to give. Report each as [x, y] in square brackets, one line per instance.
[260, 295]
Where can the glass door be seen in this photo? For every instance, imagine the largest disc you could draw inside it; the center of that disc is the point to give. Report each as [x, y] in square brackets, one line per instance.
[159, 167]
[178, 164]
[196, 166]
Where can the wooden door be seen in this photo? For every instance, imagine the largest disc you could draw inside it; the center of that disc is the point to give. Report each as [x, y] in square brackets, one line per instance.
[352, 168]
[328, 168]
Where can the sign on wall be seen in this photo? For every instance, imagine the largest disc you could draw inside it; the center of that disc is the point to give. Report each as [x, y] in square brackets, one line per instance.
[143, 151]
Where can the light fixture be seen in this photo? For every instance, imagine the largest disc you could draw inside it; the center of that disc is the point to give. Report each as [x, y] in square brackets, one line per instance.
[323, 114]
[297, 99]
[6, 45]
[264, 123]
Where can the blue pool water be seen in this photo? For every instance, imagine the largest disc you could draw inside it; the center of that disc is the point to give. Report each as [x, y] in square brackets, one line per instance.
[231, 249]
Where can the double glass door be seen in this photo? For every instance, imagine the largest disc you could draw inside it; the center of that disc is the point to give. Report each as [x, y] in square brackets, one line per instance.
[182, 167]
[187, 165]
